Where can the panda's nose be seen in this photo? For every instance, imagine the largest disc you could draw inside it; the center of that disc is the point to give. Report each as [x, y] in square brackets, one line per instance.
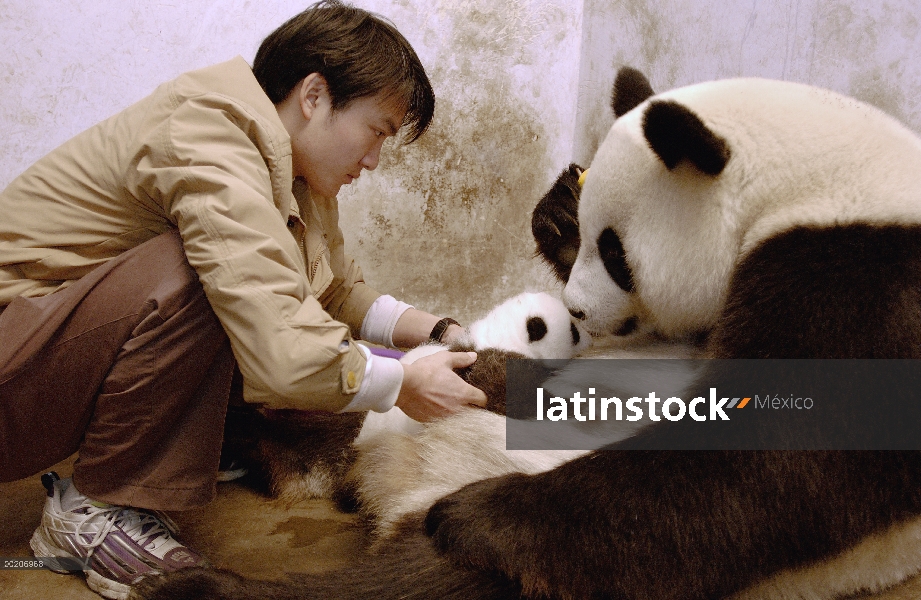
[577, 314]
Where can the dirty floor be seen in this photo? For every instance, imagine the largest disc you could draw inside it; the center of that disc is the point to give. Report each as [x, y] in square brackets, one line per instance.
[240, 530]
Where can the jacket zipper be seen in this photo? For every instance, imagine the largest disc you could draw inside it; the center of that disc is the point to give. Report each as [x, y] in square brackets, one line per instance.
[302, 242]
[314, 267]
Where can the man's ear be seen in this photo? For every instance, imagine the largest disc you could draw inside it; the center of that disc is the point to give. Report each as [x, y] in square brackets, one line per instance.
[312, 91]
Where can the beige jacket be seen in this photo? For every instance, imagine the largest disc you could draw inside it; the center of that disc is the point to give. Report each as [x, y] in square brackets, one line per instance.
[205, 153]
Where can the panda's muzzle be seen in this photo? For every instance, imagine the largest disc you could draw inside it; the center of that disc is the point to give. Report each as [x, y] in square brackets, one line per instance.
[627, 326]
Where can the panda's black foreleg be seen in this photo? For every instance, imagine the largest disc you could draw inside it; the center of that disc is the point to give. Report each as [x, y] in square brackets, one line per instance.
[670, 525]
[406, 567]
[603, 526]
[214, 584]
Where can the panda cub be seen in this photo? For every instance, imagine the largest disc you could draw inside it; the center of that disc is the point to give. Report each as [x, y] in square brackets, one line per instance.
[536, 325]
[529, 325]
[403, 466]
[298, 455]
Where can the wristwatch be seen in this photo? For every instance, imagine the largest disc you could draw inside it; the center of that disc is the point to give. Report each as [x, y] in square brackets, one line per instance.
[440, 328]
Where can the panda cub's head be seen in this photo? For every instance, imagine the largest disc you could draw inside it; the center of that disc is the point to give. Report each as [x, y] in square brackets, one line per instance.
[536, 325]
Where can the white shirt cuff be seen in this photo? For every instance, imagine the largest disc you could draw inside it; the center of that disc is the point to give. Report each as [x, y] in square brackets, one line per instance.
[380, 386]
[381, 319]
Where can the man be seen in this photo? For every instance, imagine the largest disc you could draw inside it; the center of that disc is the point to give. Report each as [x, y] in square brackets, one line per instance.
[196, 230]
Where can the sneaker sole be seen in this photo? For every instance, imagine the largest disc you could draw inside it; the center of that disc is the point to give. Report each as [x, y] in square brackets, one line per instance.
[106, 588]
[40, 548]
[225, 476]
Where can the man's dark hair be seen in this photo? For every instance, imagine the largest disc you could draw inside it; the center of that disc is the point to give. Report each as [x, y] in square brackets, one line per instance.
[359, 54]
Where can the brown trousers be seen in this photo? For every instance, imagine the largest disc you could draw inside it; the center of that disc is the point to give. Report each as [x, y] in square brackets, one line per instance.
[130, 367]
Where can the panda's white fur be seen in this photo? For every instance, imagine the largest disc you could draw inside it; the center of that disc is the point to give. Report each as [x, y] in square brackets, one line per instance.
[507, 327]
[400, 473]
[880, 561]
[800, 155]
[404, 466]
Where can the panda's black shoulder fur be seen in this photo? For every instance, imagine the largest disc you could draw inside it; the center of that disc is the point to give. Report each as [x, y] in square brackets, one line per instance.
[838, 292]
[850, 291]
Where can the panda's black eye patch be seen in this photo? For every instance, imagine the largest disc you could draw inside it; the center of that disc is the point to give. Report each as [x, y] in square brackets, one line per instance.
[615, 259]
[537, 329]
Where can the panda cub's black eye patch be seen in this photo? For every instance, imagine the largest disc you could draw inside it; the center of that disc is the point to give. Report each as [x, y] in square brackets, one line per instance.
[615, 259]
[537, 329]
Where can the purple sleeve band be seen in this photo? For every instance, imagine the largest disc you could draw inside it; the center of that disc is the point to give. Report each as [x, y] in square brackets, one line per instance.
[386, 352]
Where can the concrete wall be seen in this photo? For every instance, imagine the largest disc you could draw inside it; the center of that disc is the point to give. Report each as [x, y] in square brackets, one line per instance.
[869, 50]
[446, 221]
[522, 89]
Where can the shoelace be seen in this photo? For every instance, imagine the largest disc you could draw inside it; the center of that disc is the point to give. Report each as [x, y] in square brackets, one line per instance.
[132, 523]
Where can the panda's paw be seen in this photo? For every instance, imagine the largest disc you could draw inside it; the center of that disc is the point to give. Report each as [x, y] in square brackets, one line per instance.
[187, 583]
[492, 525]
[215, 584]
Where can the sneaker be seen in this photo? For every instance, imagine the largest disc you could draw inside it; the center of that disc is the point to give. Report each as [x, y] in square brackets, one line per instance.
[230, 469]
[118, 544]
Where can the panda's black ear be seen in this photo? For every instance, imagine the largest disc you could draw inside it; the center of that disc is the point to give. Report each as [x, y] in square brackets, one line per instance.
[675, 133]
[631, 88]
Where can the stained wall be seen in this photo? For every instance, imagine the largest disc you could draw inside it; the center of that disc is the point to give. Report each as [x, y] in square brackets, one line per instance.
[522, 90]
[447, 219]
[869, 50]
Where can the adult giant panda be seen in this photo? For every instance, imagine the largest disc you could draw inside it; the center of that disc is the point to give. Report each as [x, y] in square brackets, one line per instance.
[779, 220]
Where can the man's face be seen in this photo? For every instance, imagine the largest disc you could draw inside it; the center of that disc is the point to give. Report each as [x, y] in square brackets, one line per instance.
[334, 147]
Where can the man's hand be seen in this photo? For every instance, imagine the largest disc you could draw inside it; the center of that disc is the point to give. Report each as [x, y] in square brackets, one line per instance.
[432, 390]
